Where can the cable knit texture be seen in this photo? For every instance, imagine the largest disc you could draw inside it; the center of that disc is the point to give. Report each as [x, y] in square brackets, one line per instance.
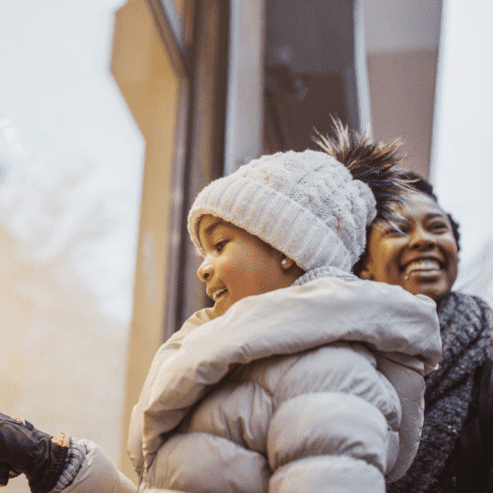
[75, 457]
[304, 204]
[45, 481]
[325, 271]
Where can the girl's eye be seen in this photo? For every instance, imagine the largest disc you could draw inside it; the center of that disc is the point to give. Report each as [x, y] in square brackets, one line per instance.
[219, 246]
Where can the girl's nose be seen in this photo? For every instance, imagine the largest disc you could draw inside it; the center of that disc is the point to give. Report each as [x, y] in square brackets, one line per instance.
[205, 270]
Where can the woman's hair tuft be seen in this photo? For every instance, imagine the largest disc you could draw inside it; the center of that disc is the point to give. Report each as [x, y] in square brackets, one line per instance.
[376, 164]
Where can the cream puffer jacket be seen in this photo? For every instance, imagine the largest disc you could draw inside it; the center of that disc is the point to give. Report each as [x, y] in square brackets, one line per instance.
[316, 387]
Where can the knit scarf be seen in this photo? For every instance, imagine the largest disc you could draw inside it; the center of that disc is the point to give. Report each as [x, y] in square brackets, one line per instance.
[466, 323]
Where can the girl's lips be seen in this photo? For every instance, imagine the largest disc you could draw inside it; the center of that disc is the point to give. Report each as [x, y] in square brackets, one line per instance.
[218, 293]
[220, 296]
[221, 302]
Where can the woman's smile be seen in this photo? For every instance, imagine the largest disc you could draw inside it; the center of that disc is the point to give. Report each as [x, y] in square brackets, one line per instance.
[418, 251]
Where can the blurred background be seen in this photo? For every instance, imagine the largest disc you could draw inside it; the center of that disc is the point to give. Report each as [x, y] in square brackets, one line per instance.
[115, 113]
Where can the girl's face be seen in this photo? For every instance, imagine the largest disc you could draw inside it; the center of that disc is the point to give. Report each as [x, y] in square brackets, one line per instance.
[238, 264]
[421, 257]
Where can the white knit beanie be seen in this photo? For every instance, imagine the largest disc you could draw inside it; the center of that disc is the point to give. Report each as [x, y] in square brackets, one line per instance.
[305, 204]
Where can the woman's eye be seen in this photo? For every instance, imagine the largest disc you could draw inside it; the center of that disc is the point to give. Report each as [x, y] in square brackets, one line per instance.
[219, 246]
[438, 227]
[397, 230]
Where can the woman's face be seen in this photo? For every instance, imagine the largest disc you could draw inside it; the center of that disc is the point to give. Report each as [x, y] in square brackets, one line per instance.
[238, 264]
[419, 253]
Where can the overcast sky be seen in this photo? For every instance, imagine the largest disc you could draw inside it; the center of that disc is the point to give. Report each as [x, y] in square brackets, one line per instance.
[71, 154]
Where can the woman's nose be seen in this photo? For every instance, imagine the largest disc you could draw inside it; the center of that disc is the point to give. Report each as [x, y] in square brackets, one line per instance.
[205, 270]
[422, 238]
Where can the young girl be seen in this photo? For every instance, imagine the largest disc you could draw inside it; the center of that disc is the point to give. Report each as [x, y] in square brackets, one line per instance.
[302, 377]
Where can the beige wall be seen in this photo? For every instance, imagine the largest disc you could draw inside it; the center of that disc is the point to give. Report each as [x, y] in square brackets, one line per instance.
[402, 89]
[147, 81]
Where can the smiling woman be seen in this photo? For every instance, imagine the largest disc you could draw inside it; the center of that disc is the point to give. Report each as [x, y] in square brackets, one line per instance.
[418, 251]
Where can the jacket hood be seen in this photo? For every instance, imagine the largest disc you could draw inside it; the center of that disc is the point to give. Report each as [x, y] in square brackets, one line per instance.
[402, 326]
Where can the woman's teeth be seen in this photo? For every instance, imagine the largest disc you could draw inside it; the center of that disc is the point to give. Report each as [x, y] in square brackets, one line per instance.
[422, 265]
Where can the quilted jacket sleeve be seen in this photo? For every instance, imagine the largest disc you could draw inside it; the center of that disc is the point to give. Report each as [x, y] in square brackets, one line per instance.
[165, 353]
[336, 432]
[98, 474]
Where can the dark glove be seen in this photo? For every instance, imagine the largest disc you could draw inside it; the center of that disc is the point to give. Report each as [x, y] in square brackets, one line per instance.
[24, 449]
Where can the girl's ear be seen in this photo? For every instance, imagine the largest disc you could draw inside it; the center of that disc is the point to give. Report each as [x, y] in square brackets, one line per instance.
[365, 271]
[366, 275]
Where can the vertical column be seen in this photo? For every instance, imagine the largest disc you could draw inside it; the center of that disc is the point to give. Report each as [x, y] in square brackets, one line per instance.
[151, 88]
[206, 131]
[245, 97]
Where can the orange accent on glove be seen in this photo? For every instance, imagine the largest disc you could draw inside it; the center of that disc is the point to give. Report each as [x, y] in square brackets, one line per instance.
[62, 439]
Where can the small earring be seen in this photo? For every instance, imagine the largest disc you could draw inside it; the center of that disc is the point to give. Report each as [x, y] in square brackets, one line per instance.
[284, 262]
